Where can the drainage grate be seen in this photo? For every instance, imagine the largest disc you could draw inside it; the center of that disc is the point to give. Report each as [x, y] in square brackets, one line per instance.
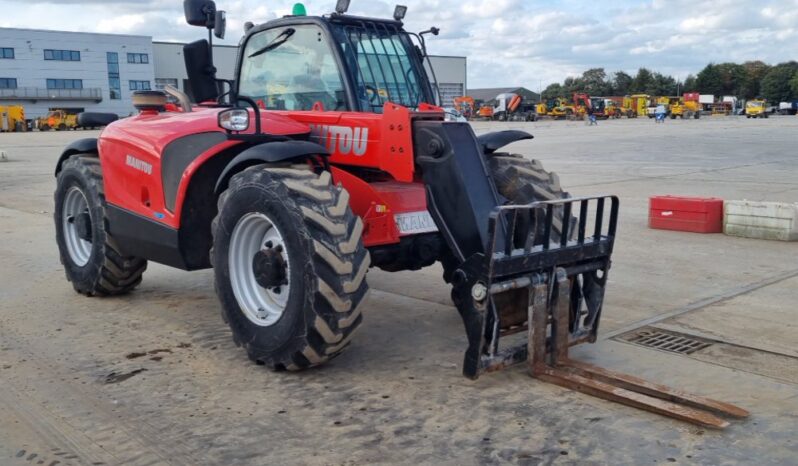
[666, 341]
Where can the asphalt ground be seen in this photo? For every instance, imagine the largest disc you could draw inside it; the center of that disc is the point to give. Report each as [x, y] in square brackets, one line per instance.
[76, 389]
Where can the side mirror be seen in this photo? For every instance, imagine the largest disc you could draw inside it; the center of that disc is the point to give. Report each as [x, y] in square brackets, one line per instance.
[200, 12]
[220, 24]
[200, 71]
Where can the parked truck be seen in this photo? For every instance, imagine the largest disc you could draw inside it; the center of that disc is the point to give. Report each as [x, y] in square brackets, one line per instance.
[12, 118]
[788, 108]
[756, 108]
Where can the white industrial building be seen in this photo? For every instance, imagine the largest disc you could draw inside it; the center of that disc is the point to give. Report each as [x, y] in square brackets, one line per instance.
[76, 71]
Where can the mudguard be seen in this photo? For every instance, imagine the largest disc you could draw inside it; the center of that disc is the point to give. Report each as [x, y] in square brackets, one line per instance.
[268, 152]
[492, 142]
[76, 147]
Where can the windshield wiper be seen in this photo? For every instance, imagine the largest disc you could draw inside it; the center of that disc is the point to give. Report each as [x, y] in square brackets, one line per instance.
[276, 42]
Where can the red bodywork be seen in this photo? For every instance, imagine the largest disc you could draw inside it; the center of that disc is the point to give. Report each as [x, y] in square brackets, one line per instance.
[582, 102]
[369, 140]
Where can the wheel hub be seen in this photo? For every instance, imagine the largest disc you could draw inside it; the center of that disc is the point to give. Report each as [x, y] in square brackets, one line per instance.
[269, 267]
[76, 226]
[259, 268]
[82, 223]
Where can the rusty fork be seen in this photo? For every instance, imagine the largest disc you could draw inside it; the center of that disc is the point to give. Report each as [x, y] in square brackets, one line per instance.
[550, 363]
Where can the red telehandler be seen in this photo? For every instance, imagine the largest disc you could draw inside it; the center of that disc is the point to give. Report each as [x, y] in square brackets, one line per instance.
[326, 156]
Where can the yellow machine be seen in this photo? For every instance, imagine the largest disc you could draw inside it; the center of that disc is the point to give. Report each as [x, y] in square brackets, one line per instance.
[58, 120]
[685, 109]
[12, 118]
[676, 107]
[636, 105]
[541, 109]
[561, 108]
[613, 109]
[756, 108]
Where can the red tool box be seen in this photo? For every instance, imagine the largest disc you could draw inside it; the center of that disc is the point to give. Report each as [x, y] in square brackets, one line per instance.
[695, 214]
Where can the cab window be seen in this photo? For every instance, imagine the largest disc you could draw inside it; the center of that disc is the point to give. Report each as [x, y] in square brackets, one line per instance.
[291, 68]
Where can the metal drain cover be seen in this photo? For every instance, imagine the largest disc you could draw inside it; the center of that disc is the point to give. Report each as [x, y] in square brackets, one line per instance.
[665, 340]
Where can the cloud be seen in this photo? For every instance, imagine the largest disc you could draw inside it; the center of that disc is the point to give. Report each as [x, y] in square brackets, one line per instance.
[507, 42]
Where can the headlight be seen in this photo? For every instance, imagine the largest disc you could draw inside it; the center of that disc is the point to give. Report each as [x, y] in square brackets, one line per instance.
[234, 119]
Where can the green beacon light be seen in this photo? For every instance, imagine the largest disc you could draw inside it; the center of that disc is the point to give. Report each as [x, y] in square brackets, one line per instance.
[299, 10]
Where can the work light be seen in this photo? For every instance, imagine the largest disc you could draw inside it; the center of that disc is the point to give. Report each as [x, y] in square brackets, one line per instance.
[399, 12]
[342, 6]
[234, 119]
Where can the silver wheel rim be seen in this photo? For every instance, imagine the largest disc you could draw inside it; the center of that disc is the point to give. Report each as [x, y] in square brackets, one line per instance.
[75, 204]
[253, 232]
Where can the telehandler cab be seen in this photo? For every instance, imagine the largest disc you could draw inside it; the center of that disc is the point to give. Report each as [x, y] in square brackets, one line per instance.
[326, 156]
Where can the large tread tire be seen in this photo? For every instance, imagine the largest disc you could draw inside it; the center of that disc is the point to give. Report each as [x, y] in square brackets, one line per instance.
[327, 284]
[108, 271]
[524, 181]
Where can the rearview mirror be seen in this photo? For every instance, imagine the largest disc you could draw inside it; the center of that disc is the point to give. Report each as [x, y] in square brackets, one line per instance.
[220, 24]
[200, 71]
[200, 12]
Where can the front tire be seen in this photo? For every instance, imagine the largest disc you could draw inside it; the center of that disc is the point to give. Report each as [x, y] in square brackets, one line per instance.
[523, 181]
[291, 284]
[91, 257]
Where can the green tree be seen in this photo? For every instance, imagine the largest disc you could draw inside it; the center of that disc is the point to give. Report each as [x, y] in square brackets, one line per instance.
[641, 81]
[621, 83]
[661, 84]
[775, 85]
[754, 72]
[594, 82]
[689, 84]
[794, 86]
[732, 77]
[709, 80]
[552, 91]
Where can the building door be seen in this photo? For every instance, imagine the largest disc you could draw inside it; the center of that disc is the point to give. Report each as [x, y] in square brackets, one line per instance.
[449, 91]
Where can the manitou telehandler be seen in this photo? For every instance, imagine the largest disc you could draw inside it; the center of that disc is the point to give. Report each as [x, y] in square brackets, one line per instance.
[324, 156]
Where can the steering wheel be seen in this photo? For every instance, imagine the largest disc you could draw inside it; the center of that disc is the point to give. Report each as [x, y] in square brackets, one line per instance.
[374, 94]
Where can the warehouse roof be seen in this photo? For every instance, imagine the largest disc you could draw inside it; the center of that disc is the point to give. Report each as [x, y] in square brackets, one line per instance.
[491, 93]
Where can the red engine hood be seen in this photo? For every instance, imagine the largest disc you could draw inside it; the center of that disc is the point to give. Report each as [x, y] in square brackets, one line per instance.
[152, 131]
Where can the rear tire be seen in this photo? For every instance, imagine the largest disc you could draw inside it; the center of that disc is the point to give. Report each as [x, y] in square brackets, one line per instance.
[324, 279]
[91, 257]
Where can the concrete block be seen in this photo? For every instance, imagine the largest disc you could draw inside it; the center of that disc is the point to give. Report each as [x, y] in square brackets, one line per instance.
[761, 220]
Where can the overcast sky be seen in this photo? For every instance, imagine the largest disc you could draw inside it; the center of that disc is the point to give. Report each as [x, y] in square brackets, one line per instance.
[507, 42]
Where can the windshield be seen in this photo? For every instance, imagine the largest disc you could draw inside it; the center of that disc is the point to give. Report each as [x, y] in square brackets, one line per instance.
[756, 104]
[292, 69]
[384, 70]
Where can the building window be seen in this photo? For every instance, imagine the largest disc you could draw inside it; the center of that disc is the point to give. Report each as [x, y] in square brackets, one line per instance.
[8, 83]
[139, 85]
[114, 84]
[138, 58]
[6, 52]
[161, 83]
[64, 84]
[62, 55]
